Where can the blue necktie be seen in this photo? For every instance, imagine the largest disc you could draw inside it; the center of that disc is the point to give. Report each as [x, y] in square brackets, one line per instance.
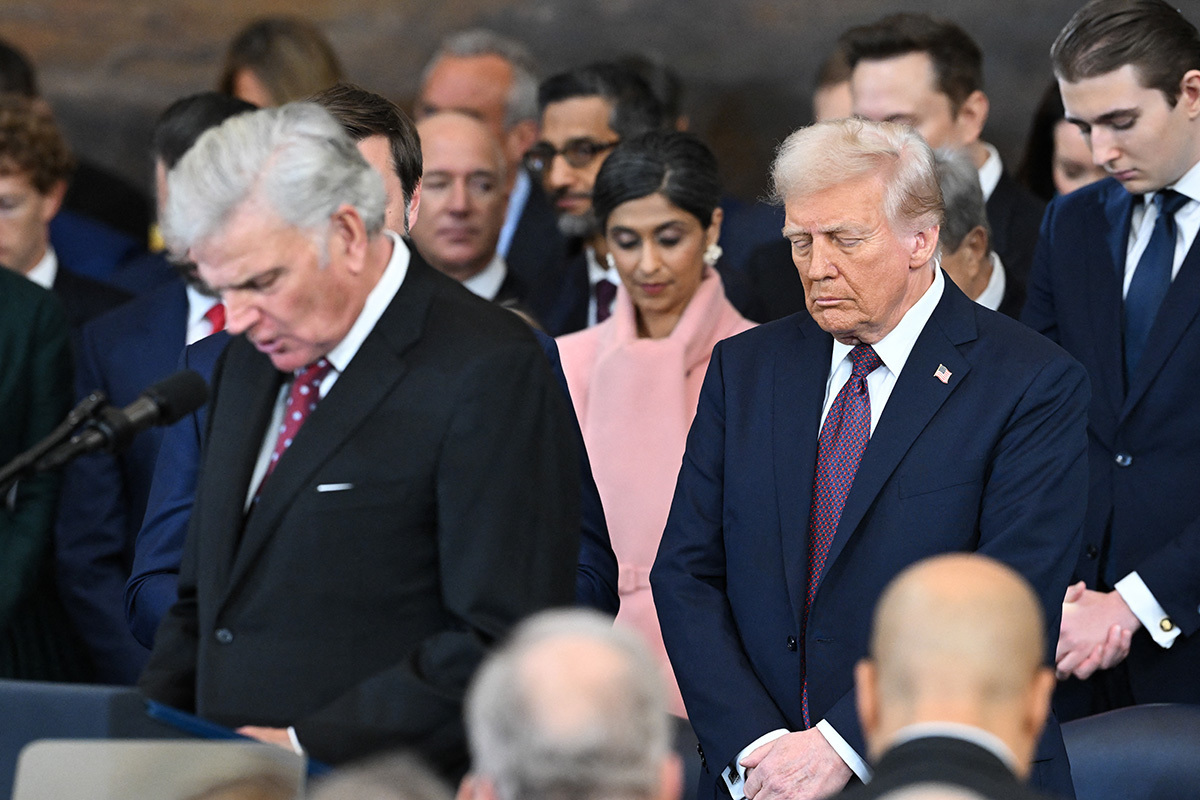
[1151, 279]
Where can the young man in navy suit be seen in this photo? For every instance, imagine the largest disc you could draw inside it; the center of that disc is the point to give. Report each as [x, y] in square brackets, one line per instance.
[898, 421]
[1116, 282]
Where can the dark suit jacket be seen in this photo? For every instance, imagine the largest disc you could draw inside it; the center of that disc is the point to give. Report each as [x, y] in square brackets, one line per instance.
[1144, 444]
[85, 299]
[154, 573]
[993, 461]
[151, 590]
[943, 760]
[1014, 214]
[104, 495]
[563, 307]
[36, 639]
[358, 613]
[536, 252]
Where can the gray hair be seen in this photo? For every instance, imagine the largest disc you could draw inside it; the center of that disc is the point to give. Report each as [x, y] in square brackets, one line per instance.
[618, 735]
[393, 776]
[828, 153]
[963, 198]
[296, 159]
[522, 102]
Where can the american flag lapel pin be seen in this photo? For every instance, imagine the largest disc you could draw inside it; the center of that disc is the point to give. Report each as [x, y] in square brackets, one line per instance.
[942, 374]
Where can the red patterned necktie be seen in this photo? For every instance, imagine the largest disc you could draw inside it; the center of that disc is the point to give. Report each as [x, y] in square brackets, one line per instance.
[839, 449]
[302, 399]
[216, 318]
[606, 292]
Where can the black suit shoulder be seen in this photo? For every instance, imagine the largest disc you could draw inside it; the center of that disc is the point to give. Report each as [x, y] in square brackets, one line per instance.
[943, 760]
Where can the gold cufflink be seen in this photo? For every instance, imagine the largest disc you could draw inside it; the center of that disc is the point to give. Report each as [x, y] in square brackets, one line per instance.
[1166, 625]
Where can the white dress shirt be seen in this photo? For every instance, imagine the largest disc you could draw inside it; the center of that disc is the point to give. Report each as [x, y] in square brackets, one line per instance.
[597, 273]
[991, 171]
[893, 350]
[198, 325]
[993, 294]
[46, 270]
[516, 207]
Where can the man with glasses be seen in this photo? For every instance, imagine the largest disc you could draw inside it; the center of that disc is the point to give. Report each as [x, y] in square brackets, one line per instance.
[585, 112]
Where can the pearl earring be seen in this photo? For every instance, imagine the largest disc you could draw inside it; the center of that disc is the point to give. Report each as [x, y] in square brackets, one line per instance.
[712, 254]
[608, 259]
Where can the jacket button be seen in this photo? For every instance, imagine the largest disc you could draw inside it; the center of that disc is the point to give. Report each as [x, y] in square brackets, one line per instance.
[791, 643]
[1092, 551]
[224, 635]
[1123, 459]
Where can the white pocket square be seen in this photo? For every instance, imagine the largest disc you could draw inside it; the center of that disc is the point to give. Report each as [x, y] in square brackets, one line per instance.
[334, 487]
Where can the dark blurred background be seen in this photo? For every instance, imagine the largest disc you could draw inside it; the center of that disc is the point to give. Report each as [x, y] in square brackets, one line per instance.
[109, 66]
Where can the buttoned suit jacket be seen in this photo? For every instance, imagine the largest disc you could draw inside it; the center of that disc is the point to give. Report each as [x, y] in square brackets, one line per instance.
[428, 503]
[947, 761]
[104, 494]
[1144, 443]
[991, 460]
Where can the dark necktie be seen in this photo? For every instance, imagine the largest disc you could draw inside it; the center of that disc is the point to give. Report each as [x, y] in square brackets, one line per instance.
[606, 292]
[302, 400]
[1151, 279]
[843, 439]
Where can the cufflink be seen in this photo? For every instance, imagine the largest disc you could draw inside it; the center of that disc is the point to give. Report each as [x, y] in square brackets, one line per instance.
[1165, 625]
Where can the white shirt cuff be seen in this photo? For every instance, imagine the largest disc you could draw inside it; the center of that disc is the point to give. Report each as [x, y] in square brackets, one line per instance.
[295, 741]
[735, 774]
[845, 752]
[1150, 613]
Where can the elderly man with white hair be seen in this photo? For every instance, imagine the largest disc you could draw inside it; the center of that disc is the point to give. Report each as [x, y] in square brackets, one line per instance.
[897, 419]
[389, 480]
[570, 707]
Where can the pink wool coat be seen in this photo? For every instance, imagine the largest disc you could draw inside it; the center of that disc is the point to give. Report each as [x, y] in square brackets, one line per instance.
[635, 399]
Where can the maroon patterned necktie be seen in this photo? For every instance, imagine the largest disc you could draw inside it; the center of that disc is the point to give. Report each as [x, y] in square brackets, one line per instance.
[606, 292]
[302, 399]
[839, 449]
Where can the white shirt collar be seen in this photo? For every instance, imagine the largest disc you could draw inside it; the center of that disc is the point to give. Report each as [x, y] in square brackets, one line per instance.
[487, 282]
[993, 294]
[990, 172]
[894, 348]
[376, 303]
[956, 730]
[45, 271]
[598, 272]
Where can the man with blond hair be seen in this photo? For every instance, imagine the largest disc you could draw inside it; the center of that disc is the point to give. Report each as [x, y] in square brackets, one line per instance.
[801, 496]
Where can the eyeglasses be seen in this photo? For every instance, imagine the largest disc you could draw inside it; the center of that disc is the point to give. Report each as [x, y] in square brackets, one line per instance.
[577, 152]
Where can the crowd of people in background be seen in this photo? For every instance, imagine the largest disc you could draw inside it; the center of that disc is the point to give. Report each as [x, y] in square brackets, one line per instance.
[532, 355]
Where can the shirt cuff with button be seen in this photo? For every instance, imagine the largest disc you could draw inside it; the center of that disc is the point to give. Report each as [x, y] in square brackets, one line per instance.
[1149, 611]
[840, 746]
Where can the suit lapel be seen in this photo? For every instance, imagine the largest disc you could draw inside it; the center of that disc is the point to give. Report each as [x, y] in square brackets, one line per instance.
[1178, 310]
[1105, 279]
[369, 378]
[798, 385]
[915, 398]
[245, 401]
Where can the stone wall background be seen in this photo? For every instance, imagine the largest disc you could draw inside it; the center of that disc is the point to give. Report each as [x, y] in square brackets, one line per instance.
[109, 66]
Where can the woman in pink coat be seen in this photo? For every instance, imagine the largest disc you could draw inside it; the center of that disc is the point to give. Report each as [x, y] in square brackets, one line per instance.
[635, 378]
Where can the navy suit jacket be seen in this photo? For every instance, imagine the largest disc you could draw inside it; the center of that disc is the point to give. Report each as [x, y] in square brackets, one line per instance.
[993, 461]
[152, 585]
[104, 495]
[151, 589]
[1144, 444]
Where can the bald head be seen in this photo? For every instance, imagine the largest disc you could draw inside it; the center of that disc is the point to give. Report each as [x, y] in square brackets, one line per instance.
[957, 638]
[464, 194]
[570, 704]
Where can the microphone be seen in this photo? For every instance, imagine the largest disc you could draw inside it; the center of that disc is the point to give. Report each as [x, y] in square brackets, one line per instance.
[164, 403]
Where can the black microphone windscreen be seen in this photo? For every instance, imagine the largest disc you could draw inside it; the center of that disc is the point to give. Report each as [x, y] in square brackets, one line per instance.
[178, 395]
